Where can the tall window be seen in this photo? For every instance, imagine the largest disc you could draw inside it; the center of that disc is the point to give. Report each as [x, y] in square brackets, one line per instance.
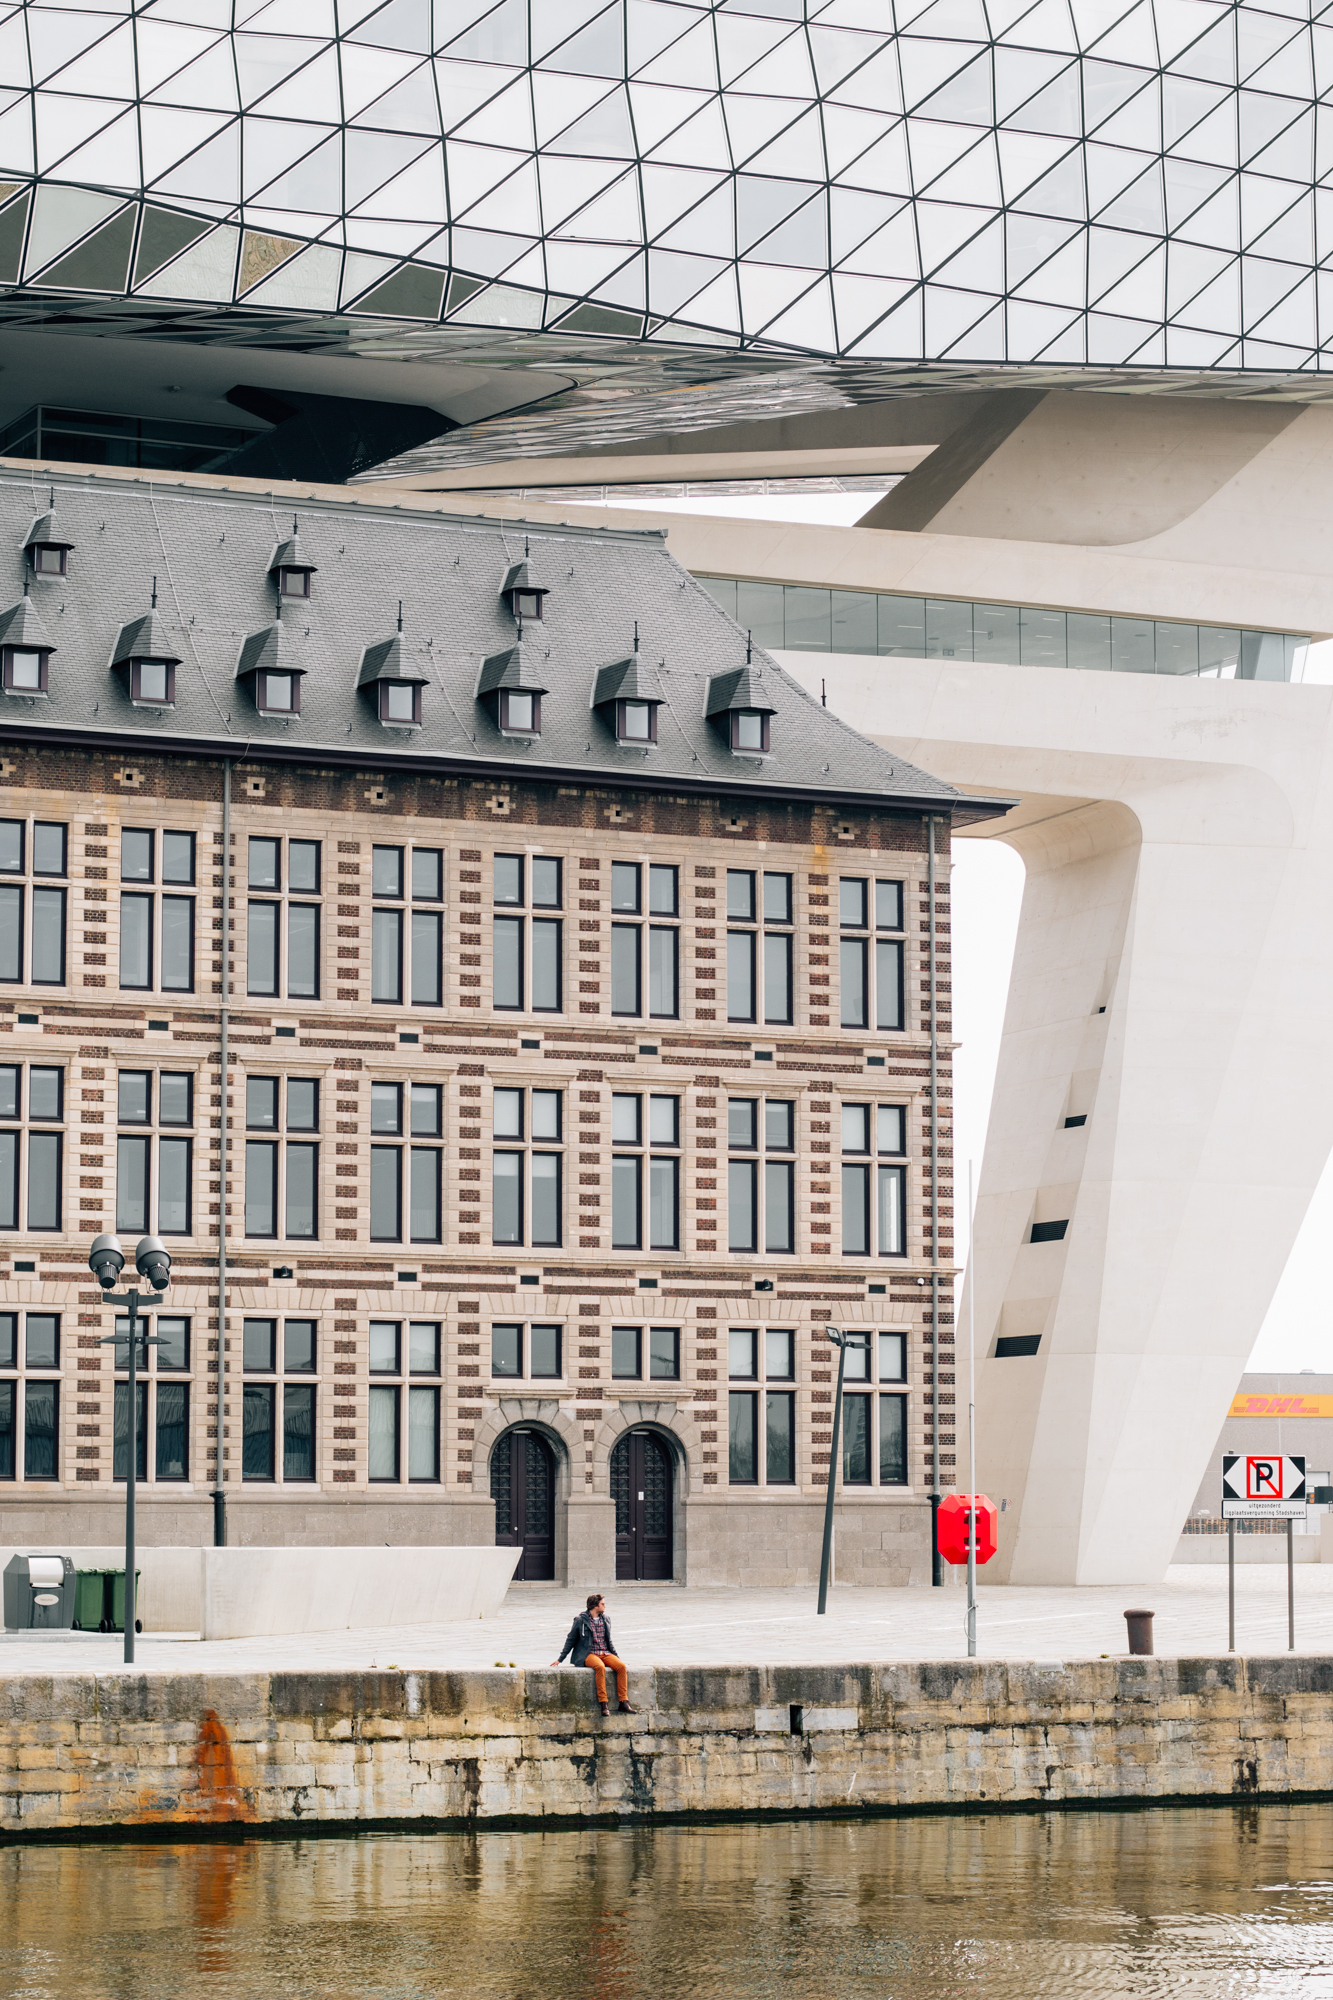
[163, 1421]
[527, 1167]
[404, 1370]
[278, 1400]
[283, 918]
[645, 957]
[874, 1447]
[282, 1170]
[157, 921]
[528, 958]
[406, 1162]
[29, 1395]
[870, 952]
[155, 1151]
[874, 1180]
[761, 1433]
[759, 946]
[645, 1139]
[761, 1174]
[33, 859]
[407, 926]
[32, 1113]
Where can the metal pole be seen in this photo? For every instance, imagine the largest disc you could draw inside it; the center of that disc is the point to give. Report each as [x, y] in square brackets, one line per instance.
[936, 1565]
[1231, 1586]
[1291, 1585]
[219, 1491]
[832, 1482]
[130, 1482]
[971, 1419]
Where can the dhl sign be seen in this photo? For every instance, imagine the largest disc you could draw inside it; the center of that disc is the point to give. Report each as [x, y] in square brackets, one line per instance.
[1282, 1406]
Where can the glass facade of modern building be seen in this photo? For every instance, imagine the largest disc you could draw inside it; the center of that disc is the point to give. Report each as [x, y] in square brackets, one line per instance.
[799, 618]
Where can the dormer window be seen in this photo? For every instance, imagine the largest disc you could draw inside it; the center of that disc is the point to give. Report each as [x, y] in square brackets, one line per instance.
[268, 664]
[528, 603]
[294, 582]
[144, 662]
[749, 729]
[292, 567]
[24, 669]
[153, 683]
[400, 701]
[389, 679]
[636, 721]
[46, 549]
[523, 590]
[520, 714]
[278, 694]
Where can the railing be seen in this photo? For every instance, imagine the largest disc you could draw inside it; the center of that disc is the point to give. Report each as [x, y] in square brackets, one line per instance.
[799, 618]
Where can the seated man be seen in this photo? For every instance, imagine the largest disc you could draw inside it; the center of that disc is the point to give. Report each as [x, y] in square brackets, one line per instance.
[591, 1644]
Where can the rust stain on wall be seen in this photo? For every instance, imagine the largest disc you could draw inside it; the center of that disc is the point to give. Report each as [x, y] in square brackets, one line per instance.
[219, 1795]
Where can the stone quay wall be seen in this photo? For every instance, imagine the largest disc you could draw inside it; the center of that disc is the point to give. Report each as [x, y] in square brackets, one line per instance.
[87, 1755]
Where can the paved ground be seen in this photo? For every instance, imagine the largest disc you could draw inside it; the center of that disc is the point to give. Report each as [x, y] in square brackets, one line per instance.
[661, 1626]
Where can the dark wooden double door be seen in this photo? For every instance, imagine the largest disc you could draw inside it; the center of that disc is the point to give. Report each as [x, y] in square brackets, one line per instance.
[523, 1489]
[641, 1489]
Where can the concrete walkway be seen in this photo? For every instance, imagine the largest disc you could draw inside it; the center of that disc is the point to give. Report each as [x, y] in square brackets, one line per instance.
[656, 1625]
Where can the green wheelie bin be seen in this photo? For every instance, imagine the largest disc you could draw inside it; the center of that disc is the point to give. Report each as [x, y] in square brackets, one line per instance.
[117, 1607]
[90, 1600]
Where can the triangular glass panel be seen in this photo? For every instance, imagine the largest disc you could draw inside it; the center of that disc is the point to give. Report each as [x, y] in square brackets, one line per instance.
[892, 251]
[1260, 33]
[66, 123]
[1213, 56]
[462, 87]
[1142, 294]
[163, 234]
[1292, 153]
[372, 232]
[966, 99]
[604, 132]
[310, 282]
[1033, 327]
[1324, 295]
[418, 194]
[1109, 86]
[767, 290]
[1189, 267]
[614, 217]
[659, 111]
[762, 204]
[942, 230]
[475, 170]
[1111, 341]
[626, 288]
[741, 43]
[1132, 40]
[1261, 119]
[1290, 72]
[1030, 240]
[293, 17]
[801, 239]
[1266, 354]
[1056, 109]
[974, 178]
[809, 323]
[671, 192]
[101, 263]
[848, 133]
[488, 252]
[1215, 140]
[798, 151]
[876, 86]
[933, 149]
[963, 20]
[13, 224]
[500, 305]
[1189, 184]
[950, 314]
[785, 72]
[1111, 254]
[312, 92]
[1321, 39]
[896, 337]
[272, 148]
[674, 278]
[557, 20]
[528, 270]
[859, 302]
[167, 135]
[1045, 26]
[260, 254]
[718, 304]
[361, 272]
[928, 65]
[599, 319]
[1291, 236]
[1263, 285]
[1110, 170]
[413, 292]
[14, 64]
[111, 159]
[579, 268]
[1138, 123]
[1186, 102]
[597, 50]
[514, 207]
[710, 228]
[1021, 74]
[567, 184]
[1180, 22]
[1217, 304]
[411, 106]
[1140, 206]
[1218, 221]
[700, 142]
[1261, 203]
[62, 215]
[978, 266]
[1060, 192]
[650, 29]
[212, 173]
[106, 70]
[690, 61]
[501, 36]
[853, 216]
[265, 61]
[1063, 279]
[375, 157]
[56, 36]
[753, 122]
[837, 52]
[1069, 346]
[1293, 319]
[506, 120]
[1186, 348]
[206, 271]
[1025, 157]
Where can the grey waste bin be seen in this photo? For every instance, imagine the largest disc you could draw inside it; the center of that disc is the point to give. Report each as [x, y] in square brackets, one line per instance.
[39, 1593]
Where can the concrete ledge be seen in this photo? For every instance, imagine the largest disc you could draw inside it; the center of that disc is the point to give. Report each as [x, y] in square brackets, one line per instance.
[126, 1750]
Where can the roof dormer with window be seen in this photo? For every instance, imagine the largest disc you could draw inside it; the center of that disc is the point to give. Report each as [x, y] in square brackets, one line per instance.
[268, 670]
[25, 651]
[524, 590]
[510, 688]
[627, 696]
[46, 549]
[291, 568]
[389, 679]
[738, 707]
[144, 661]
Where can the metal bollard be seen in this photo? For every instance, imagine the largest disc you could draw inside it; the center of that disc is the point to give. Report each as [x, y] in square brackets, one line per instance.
[1140, 1631]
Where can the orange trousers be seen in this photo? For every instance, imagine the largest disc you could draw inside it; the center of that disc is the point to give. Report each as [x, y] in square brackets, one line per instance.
[599, 1662]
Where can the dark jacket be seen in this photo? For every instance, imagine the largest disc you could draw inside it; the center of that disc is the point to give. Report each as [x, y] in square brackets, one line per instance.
[581, 1642]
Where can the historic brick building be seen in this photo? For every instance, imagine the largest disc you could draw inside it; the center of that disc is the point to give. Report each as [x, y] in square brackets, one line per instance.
[575, 977]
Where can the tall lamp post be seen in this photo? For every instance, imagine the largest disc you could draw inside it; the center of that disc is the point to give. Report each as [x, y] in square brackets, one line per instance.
[152, 1261]
[842, 1341]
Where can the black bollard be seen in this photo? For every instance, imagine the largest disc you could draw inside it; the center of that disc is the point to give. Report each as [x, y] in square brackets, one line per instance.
[1140, 1631]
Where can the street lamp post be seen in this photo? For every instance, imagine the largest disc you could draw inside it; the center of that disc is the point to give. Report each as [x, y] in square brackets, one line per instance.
[153, 1262]
[842, 1341]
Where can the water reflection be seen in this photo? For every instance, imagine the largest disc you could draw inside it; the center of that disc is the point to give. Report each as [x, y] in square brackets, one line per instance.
[1196, 1904]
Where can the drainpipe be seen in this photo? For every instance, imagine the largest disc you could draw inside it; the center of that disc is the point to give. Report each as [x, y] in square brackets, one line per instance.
[936, 1566]
[219, 1491]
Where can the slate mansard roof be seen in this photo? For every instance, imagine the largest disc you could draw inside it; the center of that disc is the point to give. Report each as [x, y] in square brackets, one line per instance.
[210, 551]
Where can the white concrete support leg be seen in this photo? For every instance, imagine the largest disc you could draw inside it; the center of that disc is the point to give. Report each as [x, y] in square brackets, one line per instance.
[1171, 987]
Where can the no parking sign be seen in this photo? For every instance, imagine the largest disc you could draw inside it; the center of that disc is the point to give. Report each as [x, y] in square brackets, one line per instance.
[1262, 1486]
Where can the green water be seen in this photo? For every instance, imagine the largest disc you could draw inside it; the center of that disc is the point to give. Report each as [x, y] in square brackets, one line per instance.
[1192, 1905]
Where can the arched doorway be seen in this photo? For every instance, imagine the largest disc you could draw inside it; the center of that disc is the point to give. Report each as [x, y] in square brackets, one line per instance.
[523, 1489]
[641, 1481]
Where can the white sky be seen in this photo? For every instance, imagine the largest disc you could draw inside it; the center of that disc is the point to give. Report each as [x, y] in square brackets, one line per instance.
[987, 893]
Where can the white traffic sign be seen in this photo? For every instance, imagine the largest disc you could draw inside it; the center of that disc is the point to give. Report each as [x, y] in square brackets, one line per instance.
[1262, 1486]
